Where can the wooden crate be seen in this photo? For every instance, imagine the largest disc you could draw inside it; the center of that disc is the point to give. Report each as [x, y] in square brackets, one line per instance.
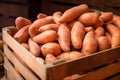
[97, 66]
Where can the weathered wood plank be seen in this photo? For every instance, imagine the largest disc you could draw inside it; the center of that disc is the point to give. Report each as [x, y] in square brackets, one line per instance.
[11, 73]
[35, 64]
[22, 69]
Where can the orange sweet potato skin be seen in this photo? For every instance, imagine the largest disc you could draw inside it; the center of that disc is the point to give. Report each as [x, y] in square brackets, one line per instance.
[34, 28]
[64, 37]
[56, 17]
[21, 22]
[34, 48]
[73, 13]
[103, 43]
[90, 44]
[70, 55]
[77, 35]
[89, 19]
[51, 48]
[49, 27]
[45, 37]
[22, 35]
[115, 32]
[106, 16]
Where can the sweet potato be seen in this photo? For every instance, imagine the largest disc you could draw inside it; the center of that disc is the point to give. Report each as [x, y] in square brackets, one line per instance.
[116, 20]
[108, 36]
[56, 17]
[100, 23]
[22, 35]
[34, 28]
[99, 32]
[89, 18]
[70, 55]
[106, 16]
[75, 55]
[89, 28]
[70, 24]
[34, 48]
[1, 44]
[74, 12]
[50, 58]
[77, 35]
[21, 22]
[90, 44]
[115, 32]
[25, 45]
[51, 48]
[74, 76]
[64, 37]
[49, 27]
[46, 36]
[41, 15]
[103, 43]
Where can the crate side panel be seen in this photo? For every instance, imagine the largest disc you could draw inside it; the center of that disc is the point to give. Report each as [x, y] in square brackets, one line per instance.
[11, 73]
[22, 69]
[102, 73]
[86, 63]
[36, 65]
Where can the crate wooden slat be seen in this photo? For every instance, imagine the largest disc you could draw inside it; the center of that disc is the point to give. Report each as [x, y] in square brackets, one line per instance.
[115, 77]
[61, 69]
[86, 63]
[11, 73]
[102, 73]
[22, 69]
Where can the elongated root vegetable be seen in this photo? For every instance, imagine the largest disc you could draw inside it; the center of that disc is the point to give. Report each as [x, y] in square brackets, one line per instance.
[89, 28]
[50, 58]
[115, 32]
[70, 24]
[73, 13]
[41, 15]
[70, 55]
[34, 48]
[34, 28]
[1, 44]
[25, 45]
[108, 36]
[106, 16]
[116, 20]
[89, 19]
[103, 43]
[56, 17]
[22, 35]
[51, 48]
[21, 22]
[46, 36]
[74, 76]
[99, 32]
[49, 27]
[100, 23]
[90, 44]
[64, 37]
[77, 35]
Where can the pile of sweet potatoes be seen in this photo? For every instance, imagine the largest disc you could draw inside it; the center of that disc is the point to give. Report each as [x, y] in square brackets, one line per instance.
[77, 32]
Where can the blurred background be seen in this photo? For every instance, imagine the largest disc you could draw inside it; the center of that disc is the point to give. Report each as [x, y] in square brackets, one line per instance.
[10, 9]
